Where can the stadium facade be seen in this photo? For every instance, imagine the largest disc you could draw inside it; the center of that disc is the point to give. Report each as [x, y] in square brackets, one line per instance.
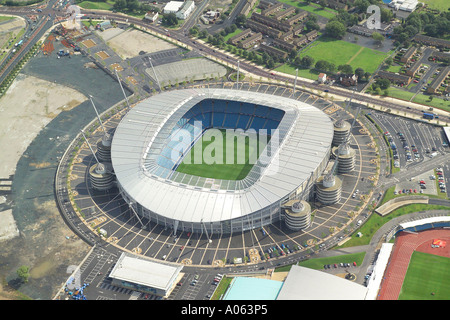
[145, 152]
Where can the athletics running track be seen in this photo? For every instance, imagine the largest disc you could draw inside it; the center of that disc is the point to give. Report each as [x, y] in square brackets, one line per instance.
[405, 245]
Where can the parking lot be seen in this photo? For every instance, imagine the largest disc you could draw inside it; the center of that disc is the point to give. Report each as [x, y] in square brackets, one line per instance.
[414, 141]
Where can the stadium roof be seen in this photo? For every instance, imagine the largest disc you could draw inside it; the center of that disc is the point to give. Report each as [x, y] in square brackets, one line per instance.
[307, 133]
[406, 225]
[308, 284]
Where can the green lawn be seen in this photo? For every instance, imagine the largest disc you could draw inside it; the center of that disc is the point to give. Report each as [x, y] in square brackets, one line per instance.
[427, 274]
[326, 12]
[95, 5]
[436, 102]
[400, 94]
[232, 34]
[394, 69]
[419, 98]
[375, 221]
[318, 263]
[5, 18]
[441, 5]
[214, 153]
[302, 73]
[341, 52]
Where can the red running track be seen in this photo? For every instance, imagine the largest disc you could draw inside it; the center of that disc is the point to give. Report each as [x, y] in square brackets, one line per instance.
[405, 245]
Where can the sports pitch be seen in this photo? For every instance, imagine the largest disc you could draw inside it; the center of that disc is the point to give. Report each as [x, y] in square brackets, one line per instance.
[427, 278]
[342, 52]
[216, 154]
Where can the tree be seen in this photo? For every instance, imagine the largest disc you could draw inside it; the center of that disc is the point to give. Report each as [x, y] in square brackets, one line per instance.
[193, 31]
[240, 20]
[307, 61]
[120, 4]
[377, 37]
[203, 34]
[383, 83]
[311, 25]
[292, 54]
[169, 19]
[389, 61]
[359, 72]
[23, 273]
[345, 68]
[325, 66]
[323, 3]
[386, 15]
[335, 29]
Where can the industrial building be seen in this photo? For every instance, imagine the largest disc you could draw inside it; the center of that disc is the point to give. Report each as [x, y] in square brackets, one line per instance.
[143, 275]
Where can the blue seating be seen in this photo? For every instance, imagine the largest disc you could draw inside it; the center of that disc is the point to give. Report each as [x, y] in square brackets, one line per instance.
[258, 123]
[233, 107]
[261, 111]
[230, 121]
[218, 118]
[276, 114]
[243, 122]
[271, 124]
[219, 106]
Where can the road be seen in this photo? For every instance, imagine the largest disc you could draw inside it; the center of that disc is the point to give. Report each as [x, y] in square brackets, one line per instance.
[181, 37]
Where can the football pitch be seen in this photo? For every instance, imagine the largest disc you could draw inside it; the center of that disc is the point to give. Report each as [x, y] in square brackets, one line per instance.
[427, 278]
[220, 158]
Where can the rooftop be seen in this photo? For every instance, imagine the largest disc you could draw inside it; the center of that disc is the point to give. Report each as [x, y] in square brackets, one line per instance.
[144, 272]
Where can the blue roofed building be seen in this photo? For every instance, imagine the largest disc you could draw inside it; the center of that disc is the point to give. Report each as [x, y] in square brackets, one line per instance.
[244, 288]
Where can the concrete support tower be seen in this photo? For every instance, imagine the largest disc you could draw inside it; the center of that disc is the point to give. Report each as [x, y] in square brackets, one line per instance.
[297, 214]
[329, 188]
[341, 131]
[101, 177]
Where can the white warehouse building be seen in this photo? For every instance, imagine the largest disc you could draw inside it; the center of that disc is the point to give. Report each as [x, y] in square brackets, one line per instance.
[172, 6]
[186, 10]
[181, 9]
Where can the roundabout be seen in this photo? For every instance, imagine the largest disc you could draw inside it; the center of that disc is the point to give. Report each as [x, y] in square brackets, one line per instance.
[105, 218]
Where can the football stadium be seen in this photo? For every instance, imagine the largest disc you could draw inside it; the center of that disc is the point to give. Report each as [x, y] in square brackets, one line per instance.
[218, 160]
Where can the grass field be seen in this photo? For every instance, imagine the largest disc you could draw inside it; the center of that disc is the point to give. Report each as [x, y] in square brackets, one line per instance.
[341, 52]
[214, 155]
[95, 5]
[324, 12]
[427, 273]
[441, 5]
[376, 221]
[318, 263]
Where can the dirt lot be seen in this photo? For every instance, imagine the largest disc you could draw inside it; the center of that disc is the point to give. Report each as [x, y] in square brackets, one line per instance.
[103, 55]
[128, 44]
[24, 115]
[89, 43]
[42, 245]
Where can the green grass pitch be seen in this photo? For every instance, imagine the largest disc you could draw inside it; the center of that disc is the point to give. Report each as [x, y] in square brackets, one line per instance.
[222, 169]
[427, 274]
